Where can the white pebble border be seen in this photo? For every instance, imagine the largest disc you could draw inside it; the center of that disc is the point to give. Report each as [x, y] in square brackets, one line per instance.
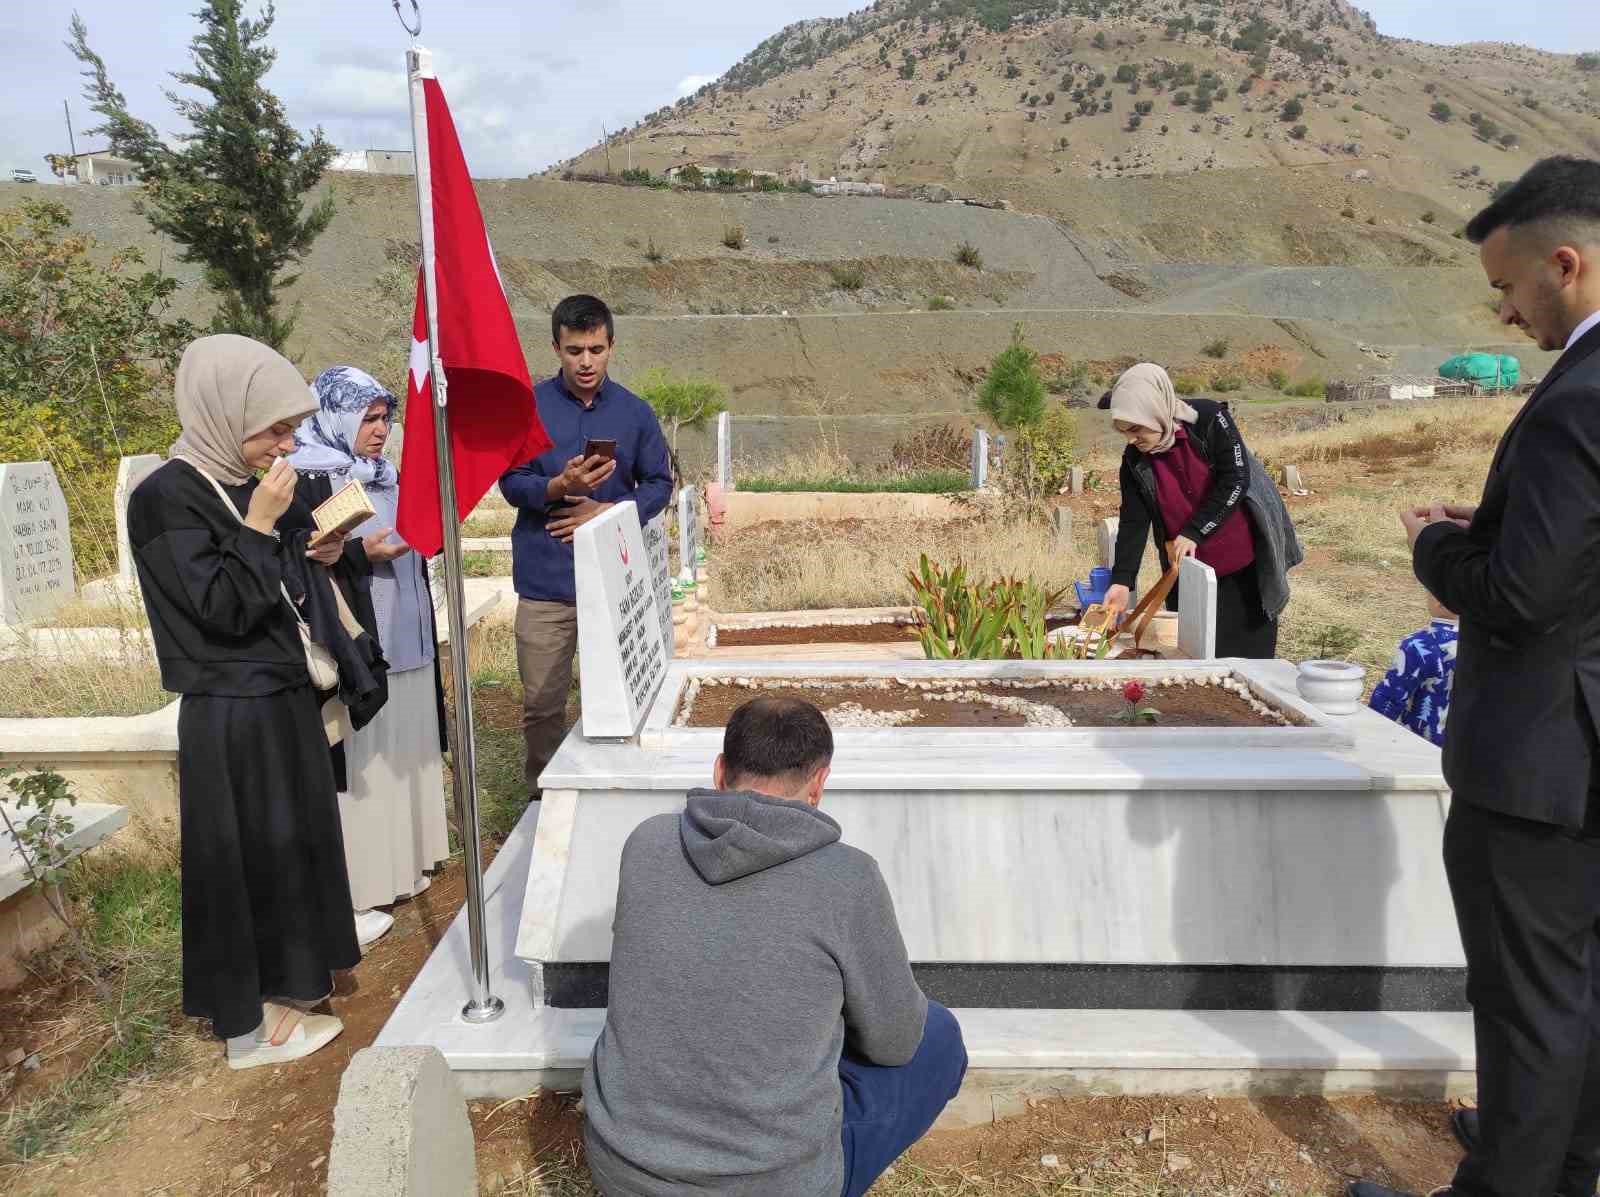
[1035, 714]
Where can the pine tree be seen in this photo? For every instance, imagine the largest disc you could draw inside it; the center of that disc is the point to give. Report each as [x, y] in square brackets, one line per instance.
[1013, 393]
[230, 193]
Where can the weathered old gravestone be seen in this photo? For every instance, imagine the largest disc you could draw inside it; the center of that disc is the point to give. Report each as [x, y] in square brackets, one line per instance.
[688, 532]
[130, 472]
[621, 660]
[36, 573]
[658, 551]
[1075, 480]
[1105, 539]
[1197, 610]
[725, 450]
[980, 458]
[1061, 520]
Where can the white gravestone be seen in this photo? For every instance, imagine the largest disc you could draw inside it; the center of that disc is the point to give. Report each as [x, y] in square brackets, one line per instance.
[980, 458]
[658, 549]
[35, 544]
[1197, 610]
[688, 531]
[130, 472]
[621, 661]
[1105, 537]
[725, 450]
[1075, 480]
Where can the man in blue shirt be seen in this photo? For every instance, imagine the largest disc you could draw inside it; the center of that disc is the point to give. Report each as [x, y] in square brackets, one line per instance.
[556, 493]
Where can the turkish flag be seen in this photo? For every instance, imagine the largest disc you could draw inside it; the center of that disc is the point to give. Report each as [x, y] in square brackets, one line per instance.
[489, 396]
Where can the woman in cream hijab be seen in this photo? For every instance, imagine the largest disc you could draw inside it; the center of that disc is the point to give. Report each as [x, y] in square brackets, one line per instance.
[266, 904]
[1187, 475]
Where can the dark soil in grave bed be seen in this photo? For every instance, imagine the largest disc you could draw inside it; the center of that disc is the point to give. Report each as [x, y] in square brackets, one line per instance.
[836, 633]
[1180, 706]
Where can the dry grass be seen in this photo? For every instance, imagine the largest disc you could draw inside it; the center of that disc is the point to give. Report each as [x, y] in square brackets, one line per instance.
[801, 566]
[99, 613]
[489, 523]
[128, 683]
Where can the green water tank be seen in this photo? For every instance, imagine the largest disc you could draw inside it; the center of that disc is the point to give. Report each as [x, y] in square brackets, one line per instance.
[1495, 371]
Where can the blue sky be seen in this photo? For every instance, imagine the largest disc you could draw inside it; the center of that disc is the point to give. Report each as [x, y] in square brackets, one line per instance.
[528, 84]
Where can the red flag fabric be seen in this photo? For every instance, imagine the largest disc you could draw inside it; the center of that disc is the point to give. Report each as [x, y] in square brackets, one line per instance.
[493, 422]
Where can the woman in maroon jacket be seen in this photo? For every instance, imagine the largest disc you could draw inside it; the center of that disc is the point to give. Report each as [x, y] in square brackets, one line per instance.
[1187, 475]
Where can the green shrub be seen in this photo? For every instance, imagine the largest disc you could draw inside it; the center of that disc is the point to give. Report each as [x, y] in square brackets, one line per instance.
[1441, 112]
[967, 255]
[652, 253]
[1044, 452]
[941, 303]
[1312, 388]
[733, 236]
[1185, 385]
[1012, 394]
[1217, 348]
[848, 276]
[1429, 217]
[1292, 110]
[1277, 379]
[1227, 384]
[1298, 133]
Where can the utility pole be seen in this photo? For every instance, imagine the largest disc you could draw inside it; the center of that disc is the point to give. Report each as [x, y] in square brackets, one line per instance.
[71, 141]
[606, 138]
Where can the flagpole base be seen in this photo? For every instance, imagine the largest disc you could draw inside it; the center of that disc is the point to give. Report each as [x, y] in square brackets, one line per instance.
[487, 1011]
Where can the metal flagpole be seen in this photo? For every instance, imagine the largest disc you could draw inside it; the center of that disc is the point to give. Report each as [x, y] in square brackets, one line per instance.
[484, 1006]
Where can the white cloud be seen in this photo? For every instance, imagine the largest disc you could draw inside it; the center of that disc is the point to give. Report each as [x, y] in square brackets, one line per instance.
[690, 84]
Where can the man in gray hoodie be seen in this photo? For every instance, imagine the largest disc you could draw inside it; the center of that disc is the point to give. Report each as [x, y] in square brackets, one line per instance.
[764, 1035]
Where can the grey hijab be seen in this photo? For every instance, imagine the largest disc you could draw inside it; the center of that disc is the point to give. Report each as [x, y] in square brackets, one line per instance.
[230, 388]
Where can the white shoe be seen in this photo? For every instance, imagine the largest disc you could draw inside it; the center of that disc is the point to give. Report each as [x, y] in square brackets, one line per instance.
[313, 1032]
[372, 925]
[423, 883]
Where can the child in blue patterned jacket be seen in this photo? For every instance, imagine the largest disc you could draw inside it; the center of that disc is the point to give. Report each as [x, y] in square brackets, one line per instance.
[1416, 691]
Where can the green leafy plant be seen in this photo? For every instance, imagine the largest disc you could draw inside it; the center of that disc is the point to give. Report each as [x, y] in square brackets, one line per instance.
[959, 618]
[1043, 453]
[941, 303]
[1217, 348]
[1277, 379]
[1312, 388]
[1228, 383]
[1133, 694]
[680, 403]
[967, 255]
[1185, 385]
[41, 840]
[229, 193]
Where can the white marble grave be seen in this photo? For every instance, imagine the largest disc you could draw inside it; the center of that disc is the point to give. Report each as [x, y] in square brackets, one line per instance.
[1105, 539]
[621, 660]
[36, 568]
[658, 551]
[725, 450]
[1197, 610]
[688, 532]
[130, 472]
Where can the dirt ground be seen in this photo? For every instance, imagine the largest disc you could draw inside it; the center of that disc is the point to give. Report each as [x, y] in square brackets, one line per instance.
[1083, 1145]
[204, 1130]
[1178, 706]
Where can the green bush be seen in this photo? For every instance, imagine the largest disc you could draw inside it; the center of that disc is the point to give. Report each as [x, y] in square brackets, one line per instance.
[1012, 394]
[1441, 111]
[1429, 217]
[1044, 452]
[941, 303]
[1298, 133]
[1227, 384]
[848, 276]
[1185, 385]
[733, 236]
[1277, 379]
[1217, 348]
[652, 253]
[1292, 110]
[967, 255]
[1312, 388]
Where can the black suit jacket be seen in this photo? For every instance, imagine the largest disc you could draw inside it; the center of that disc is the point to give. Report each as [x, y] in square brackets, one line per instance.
[1525, 579]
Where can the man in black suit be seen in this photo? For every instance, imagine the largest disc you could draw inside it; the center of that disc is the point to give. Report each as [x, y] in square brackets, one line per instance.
[1522, 841]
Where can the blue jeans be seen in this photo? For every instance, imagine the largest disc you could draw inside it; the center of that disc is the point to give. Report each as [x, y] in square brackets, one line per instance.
[886, 1110]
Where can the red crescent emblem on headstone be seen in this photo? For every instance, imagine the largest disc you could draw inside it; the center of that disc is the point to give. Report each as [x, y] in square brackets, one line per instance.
[622, 546]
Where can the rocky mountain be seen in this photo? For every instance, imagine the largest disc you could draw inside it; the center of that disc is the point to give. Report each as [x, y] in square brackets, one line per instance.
[981, 95]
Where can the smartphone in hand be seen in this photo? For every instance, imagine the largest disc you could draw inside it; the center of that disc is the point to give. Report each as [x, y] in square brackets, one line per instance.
[600, 448]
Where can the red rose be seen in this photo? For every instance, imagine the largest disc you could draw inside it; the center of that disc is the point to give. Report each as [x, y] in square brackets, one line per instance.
[1134, 692]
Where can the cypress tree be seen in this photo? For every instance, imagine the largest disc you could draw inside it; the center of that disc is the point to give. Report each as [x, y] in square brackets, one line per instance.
[230, 192]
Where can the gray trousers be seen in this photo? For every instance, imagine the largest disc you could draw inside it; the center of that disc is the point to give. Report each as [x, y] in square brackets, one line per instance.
[547, 640]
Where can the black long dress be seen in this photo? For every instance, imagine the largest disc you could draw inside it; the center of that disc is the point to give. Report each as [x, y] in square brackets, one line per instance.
[266, 901]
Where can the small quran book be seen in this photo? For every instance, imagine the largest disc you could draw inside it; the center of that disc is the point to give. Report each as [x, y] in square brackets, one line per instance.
[348, 508]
